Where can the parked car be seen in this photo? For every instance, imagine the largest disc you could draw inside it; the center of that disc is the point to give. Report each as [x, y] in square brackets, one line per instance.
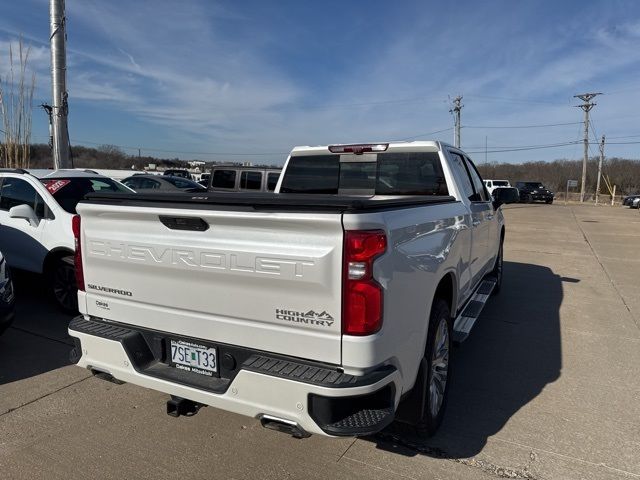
[204, 179]
[7, 296]
[629, 200]
[504, 195]
[162, 183]
[178, 173]
[316, 309]
[534, 192]
[244, 179]
[636, 203]
[493, 184]
[36, 212]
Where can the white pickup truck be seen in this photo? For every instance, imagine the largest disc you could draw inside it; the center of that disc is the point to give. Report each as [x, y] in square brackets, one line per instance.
[329, 307]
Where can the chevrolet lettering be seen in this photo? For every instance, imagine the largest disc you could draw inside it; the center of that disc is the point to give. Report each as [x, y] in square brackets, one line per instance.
[202, 259]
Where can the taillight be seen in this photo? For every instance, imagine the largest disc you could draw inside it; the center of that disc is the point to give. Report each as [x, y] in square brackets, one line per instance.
[359, 149]
[77, 258]
[361, 294]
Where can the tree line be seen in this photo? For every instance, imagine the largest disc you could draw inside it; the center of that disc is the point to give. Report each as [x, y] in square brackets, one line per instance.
[622, 172]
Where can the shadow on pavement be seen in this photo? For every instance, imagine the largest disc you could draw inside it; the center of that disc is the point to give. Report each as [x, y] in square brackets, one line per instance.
[513, 352]
[37, 342]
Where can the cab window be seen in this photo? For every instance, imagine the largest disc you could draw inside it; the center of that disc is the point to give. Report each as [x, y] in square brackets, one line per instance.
[250, 180]
[478, 185]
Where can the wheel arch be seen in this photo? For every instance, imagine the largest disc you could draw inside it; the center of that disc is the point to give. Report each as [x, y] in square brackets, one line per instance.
[53, 256]
[447, 290]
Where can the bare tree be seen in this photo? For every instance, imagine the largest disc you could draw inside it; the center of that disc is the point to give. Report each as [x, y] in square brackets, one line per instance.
[16, 107]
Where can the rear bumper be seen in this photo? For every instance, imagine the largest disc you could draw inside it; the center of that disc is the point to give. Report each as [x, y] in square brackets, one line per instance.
[317, 397]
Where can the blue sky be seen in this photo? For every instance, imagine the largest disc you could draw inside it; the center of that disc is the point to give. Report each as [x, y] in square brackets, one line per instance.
[256, 77]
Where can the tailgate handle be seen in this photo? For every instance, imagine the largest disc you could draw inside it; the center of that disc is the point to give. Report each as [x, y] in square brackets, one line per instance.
[195, 224]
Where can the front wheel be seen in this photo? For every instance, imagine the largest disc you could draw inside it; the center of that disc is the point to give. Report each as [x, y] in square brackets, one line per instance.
[63, 284]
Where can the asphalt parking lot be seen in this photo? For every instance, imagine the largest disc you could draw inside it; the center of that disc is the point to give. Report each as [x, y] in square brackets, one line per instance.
[547, 386]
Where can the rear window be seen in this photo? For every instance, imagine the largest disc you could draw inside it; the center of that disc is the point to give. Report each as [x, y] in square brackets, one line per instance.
[402, 173]
[272, 181]
[500, 183]
[69, 191]
[224, 179]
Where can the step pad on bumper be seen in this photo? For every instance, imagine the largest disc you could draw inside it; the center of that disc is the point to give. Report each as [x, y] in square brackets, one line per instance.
[299, 371]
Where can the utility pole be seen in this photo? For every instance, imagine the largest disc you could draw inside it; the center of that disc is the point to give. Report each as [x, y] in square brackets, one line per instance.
[600, 168]
[455, 110]
[60, 107]
[586, 107]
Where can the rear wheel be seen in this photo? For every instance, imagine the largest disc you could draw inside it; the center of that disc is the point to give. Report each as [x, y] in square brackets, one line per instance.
[434, 377]
[62, 281]
[549, 202]
[498, 269]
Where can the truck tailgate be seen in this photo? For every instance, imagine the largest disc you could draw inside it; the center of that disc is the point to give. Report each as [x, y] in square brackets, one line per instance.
[270, 281]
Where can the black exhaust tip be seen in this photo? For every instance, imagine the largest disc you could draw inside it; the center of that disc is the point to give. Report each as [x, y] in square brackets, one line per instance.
[106, 377]
[178, 406]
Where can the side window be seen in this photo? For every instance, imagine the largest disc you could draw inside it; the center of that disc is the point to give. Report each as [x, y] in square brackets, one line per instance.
[481, 193]
[272, 181]
[251, 180]
[18, 192]
[147, 183]
[132, 183]
[224, 179]
[461, 171]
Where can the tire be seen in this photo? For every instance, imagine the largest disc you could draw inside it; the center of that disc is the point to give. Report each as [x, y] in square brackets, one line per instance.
[528, 199]
[437, 359]
[62, 283]
[549, 202]
[498, 270]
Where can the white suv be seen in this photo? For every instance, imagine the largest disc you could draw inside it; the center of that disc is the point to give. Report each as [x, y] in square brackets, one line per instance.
[493, 184]
[36, 208]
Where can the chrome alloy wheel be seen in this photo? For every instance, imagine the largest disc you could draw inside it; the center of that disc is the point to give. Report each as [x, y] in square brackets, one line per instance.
[439, 368]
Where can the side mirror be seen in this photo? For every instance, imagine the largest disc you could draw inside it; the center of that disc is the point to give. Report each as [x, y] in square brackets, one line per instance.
[505, 195]
[26, 212]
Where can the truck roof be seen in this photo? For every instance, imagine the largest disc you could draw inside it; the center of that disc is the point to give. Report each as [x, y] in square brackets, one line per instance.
[416, 146]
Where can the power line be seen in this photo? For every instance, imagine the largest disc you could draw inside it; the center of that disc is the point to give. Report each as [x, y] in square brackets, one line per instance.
[529, 147]
[423, 135]
[514, 100]
[522, 126]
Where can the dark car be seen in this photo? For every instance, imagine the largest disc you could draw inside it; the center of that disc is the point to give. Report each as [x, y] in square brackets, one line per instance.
[162, 183]
[628, 200]
[534, 192]
[204, 179]
[7, 297]
[178, 173]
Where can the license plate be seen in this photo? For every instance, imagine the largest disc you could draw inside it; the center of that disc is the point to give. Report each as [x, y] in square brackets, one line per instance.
[194, 357]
